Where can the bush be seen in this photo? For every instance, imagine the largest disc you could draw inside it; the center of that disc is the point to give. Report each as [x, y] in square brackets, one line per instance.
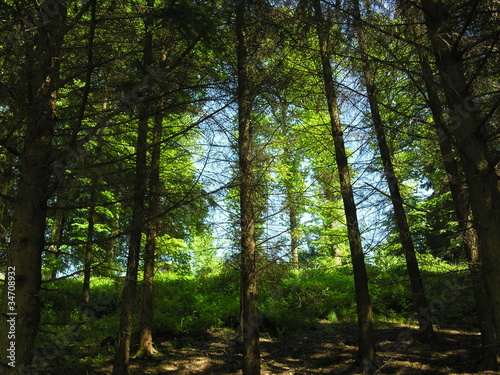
[303, 297]
[189, 304]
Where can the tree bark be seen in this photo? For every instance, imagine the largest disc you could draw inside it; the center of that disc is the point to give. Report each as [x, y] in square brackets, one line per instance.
[30, 207]
[249, 293]
[55, 236]
[84, 309]
[146, 325]
[121, 363]
[420, 304]
[364, 309]
[6, 173]
[122, 357]
[294, 240]
[478, 164]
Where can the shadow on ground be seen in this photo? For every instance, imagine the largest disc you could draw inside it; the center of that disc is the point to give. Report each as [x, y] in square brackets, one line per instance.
[327, 348]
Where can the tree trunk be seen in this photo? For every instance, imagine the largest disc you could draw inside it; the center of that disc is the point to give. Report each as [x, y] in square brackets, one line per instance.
[30, 207]
[363, 303]
[112, 244]
[6, 173]
[291, 204]
[84, 309]
[55, 237]
[461, 204]
[146, 327]
[294, 240]
[249, 297]
[472, 145]
[122, 356]
[417, 286]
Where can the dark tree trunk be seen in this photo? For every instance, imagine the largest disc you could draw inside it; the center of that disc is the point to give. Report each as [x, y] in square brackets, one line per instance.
[146, 326]
[467, 132]
[461, 204]
[6, 176]
[122, 357]
[249, 296]
[30, 206]
[84, 309]
[363, 303]
[113, 242]
[417, 286]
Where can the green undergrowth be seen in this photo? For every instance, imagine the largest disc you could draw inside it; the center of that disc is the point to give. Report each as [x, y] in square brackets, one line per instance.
[187, 304]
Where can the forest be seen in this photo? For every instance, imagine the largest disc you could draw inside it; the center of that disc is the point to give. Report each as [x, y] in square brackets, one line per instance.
[249, 187]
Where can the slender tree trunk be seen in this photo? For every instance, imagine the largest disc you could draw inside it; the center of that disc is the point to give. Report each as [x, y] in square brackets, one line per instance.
[249, 295]
[363, 303]
[461, 204]
[146, 327]
[84, 309]
[294, 240]
[472, 145]
[55, 237]
[30, 206]
[291, 204]
[6, 173]
[113, 242]
[122, 356]
[417, 286]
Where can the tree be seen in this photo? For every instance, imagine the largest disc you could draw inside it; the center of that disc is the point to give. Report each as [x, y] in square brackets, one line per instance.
[249, 321]
[468, 132]
[364, 309]
[419, 300]
[121, 362]
[41, 55]
[152, 227]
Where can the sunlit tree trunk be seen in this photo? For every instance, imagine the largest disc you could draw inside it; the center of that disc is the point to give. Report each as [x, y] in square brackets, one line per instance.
[294, 240]
[55, 236]
[249, 296]
[363, 303]
[417, 286]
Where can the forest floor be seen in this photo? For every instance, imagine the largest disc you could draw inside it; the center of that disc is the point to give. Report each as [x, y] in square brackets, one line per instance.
[327, 348]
